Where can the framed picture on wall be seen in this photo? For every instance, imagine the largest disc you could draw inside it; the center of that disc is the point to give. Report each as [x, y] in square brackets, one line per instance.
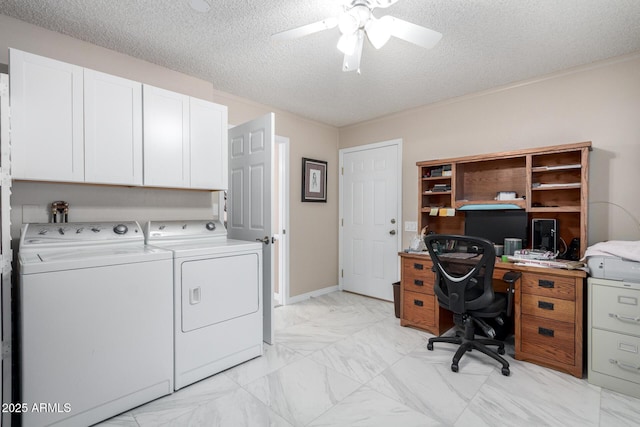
[314, 180]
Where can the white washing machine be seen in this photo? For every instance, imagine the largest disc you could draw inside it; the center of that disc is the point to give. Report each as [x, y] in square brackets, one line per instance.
[96, 317]
[217, 297]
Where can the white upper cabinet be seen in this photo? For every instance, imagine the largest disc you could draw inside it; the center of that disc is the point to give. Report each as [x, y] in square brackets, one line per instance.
[185, 141]
[208, 132]
[46, 118]
[72, 124]
[112, 129]
[166, 138]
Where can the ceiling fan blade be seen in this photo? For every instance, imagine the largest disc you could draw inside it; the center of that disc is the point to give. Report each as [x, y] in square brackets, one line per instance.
[305, 30]
[352, 62]
[415, 34]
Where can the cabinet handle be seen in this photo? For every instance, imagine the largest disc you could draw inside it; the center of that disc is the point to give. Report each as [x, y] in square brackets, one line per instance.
[546, 332]
[626, 366]
[418, 282]
[418, 302]
[623, 318]
[418, 266]
[549, 284]
[545, 305]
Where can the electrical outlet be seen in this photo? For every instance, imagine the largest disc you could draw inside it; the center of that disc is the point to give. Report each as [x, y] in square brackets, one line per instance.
[410, 226]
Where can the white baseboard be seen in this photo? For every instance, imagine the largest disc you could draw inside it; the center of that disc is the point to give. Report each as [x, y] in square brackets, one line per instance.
[317, 293]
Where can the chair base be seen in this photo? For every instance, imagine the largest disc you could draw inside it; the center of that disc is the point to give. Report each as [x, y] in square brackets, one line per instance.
[467, 344]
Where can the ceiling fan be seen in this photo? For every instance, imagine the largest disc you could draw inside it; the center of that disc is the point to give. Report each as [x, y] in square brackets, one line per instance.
[358, 20]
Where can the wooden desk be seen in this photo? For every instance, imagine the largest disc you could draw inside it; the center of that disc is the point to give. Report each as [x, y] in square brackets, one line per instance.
[548, 310]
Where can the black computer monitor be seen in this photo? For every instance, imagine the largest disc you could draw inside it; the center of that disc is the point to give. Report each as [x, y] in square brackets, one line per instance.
[495, 226]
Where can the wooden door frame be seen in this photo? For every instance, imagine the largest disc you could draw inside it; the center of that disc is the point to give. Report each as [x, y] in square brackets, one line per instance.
[390, 143]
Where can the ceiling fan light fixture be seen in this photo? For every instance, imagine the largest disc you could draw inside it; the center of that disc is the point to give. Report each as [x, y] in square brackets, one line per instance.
[379, 30]
[348, 23]
[347, 43]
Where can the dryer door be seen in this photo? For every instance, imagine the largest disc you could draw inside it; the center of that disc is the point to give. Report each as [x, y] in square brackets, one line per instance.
[218, 289]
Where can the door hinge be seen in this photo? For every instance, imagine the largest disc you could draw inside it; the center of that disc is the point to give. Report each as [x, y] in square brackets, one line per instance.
[342, 171]
[342, 222]
[341, 273]
[6, 350]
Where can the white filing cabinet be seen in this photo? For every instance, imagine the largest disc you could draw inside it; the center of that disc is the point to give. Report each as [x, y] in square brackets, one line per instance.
[614, 335]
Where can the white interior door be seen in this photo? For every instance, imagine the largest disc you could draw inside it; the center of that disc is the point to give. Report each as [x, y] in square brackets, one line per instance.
[249, 206]
[370, 207]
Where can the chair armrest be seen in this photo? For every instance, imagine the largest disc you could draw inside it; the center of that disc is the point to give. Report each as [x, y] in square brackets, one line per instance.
[511, 277]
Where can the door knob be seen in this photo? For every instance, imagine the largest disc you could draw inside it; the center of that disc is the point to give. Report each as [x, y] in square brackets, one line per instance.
[266, 240]
[392, 232]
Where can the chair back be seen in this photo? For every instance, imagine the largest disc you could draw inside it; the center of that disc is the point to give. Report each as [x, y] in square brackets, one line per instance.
[464, 269]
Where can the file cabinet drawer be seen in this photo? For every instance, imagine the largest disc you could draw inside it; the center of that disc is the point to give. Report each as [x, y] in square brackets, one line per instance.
[549, 286]
[417, 276]
[419, 309]
[549, 308]
[547, 338]
[616, 355]
[618, 309]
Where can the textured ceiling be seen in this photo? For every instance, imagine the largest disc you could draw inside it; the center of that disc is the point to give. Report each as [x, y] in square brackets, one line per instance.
[486, 43]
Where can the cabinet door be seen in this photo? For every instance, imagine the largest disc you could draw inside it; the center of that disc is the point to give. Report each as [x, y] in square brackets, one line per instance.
[46, 122]
[113, 129]
[166, 138]
[208, 139]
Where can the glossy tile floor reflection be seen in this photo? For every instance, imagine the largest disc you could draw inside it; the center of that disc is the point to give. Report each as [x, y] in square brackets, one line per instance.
[344, 360]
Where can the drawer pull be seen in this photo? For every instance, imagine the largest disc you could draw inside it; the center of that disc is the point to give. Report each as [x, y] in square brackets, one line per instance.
[624, 365]
[418, 302]
[623, 318]
[545, 305]
[418, 266]
[418, 282]
[546, 332]
[549, 284]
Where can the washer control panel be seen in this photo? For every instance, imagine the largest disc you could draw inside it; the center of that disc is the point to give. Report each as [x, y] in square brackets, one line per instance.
[191, 229]
[80, 232]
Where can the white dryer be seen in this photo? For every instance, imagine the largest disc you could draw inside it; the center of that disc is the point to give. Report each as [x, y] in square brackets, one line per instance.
[217, 297]
[96, 308]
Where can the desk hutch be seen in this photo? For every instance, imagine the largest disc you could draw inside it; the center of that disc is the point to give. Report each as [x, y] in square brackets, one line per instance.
[550, 183]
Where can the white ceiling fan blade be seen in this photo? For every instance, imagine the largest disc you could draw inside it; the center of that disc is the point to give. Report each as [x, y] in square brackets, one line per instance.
[305, 30]
[414, 33]
[352, 62]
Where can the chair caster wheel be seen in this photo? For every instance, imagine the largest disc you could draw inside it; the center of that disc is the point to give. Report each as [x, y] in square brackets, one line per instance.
[430, 346]
[506, 372]
[454, 367]
[501, 350]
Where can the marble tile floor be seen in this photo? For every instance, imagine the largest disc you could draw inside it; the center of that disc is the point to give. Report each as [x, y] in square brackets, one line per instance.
[344, 360]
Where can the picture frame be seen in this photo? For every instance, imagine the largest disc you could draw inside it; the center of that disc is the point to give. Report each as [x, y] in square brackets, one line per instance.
[314, 180]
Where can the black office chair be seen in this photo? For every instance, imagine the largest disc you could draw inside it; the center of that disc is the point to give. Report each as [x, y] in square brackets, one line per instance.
[464, 270]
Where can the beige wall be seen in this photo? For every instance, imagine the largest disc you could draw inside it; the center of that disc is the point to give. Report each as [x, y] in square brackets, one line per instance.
[600, 103]
[309, 271]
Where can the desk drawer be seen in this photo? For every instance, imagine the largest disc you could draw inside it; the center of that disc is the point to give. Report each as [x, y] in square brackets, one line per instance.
[616, 309]
[419, 309]
[616, 355]
[549, 308]
[417, 276]
[547, 338]
[549, 286]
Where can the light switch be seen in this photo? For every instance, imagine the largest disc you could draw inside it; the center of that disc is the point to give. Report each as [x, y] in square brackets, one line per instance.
[410, 226]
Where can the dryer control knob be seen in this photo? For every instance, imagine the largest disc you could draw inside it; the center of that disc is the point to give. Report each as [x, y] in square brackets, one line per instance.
[211, 226]
[120, 229]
